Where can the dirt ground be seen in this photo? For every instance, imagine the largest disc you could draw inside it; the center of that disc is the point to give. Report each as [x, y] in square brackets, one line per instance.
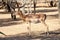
[15, 30]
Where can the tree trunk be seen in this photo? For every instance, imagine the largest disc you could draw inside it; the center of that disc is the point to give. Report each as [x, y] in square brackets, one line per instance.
[59, 8]
[34, 1]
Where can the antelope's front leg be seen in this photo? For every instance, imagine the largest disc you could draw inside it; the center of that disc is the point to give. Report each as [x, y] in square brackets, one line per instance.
[26, 20]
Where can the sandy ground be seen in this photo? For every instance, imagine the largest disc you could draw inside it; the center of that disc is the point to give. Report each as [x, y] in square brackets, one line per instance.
[11, 28]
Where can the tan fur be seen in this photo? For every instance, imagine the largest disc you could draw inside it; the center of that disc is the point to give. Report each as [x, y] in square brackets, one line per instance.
[28, 17]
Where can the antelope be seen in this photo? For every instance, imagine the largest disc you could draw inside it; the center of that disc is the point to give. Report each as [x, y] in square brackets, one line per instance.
[40, 17]
[27, 18]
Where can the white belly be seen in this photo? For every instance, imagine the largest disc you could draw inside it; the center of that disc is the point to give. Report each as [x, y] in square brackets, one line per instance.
[34, 20]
